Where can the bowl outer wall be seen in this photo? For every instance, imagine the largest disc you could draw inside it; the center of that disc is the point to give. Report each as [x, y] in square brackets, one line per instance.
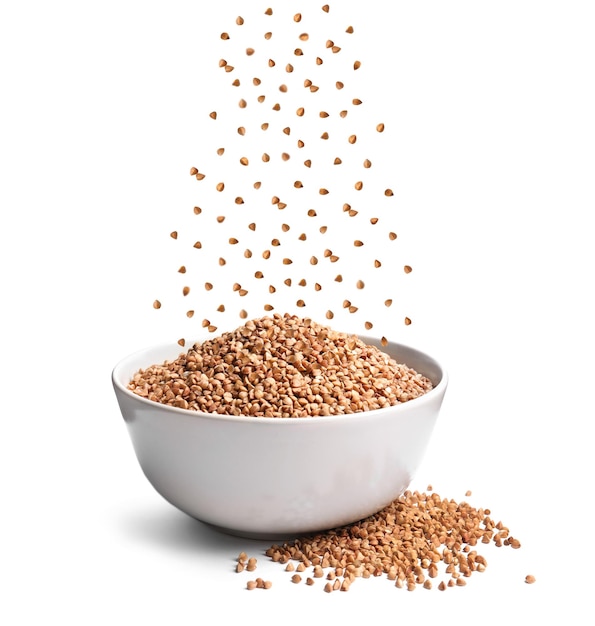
[275, 476]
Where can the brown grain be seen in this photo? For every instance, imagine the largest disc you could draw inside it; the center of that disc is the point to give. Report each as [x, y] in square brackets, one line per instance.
[305, 348]
[406, 542]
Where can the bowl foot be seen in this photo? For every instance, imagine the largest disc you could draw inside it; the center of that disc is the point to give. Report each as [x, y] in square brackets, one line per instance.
[259, 536]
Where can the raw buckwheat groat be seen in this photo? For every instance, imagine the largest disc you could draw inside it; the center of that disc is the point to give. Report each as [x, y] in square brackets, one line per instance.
[281, 366]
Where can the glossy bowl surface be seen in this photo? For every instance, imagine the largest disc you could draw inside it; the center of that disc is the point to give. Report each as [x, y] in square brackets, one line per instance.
[279, 477]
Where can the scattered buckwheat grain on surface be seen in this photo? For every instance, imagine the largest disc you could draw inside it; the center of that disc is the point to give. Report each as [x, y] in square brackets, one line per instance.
[420, 540]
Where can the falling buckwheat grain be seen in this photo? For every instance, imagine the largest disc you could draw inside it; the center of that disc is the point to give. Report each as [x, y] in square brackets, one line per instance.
[305, 56]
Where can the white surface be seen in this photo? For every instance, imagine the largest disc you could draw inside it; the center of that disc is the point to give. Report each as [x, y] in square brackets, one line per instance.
[492, 112]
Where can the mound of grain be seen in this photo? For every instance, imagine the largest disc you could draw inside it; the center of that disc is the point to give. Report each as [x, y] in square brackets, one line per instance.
[281, 366]
[419, 540]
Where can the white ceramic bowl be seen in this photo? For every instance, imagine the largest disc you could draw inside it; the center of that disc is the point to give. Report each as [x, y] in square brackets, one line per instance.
[279, 477]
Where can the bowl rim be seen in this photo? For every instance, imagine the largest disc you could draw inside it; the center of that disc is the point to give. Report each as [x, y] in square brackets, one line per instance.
[437, 390]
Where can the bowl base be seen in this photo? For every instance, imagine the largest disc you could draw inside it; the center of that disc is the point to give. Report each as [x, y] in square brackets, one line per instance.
[258, 536]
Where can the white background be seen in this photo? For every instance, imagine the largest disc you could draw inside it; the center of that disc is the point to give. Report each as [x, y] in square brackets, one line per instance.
[490, 151]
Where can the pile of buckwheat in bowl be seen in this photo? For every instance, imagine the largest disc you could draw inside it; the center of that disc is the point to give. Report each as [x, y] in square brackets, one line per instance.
[272, 390]
[281, 366]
